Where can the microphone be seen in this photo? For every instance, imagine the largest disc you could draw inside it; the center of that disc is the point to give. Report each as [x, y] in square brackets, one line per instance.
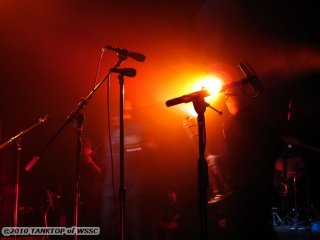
[125, 53]
[251, 78]
[129, 72]
[187, 98]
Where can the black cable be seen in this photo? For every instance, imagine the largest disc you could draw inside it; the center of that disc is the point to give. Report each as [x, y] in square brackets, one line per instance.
[109, 125]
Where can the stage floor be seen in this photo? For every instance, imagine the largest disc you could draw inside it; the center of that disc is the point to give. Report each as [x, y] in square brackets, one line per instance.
[288, 232]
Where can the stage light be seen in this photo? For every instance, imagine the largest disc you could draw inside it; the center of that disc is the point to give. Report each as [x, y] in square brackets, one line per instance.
[211, 83]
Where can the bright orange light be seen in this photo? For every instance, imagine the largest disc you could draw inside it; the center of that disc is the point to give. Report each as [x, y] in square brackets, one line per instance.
[211, 83]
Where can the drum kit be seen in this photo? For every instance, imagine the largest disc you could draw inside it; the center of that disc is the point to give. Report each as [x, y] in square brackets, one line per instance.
[293, 206]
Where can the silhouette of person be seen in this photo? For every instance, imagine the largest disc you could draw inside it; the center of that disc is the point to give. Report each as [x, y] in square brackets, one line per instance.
[247, 168]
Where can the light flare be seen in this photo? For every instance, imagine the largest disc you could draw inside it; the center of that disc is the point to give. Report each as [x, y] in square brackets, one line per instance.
[212, 84]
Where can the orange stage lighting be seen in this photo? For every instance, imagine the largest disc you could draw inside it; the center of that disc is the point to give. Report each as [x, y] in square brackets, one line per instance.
[211, 83]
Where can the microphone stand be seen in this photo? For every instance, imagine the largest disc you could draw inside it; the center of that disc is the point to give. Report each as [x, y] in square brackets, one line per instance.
[76, 114]
[197, 98]
[122, 189]
[17, 139]
[78, 124]
[17, 187]
[200, 107]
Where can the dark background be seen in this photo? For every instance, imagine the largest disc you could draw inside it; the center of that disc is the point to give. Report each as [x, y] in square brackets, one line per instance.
[49, 52]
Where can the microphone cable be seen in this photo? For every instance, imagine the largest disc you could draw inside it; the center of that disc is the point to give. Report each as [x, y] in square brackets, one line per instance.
[109, 125]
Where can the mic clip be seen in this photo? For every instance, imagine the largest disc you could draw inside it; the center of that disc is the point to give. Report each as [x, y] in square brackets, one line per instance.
[129, 72]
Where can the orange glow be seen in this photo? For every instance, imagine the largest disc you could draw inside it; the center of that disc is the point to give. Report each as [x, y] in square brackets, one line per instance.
[211, 83]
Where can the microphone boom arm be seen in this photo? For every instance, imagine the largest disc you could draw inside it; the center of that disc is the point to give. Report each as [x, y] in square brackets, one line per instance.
[19, 135]
[83, 102]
